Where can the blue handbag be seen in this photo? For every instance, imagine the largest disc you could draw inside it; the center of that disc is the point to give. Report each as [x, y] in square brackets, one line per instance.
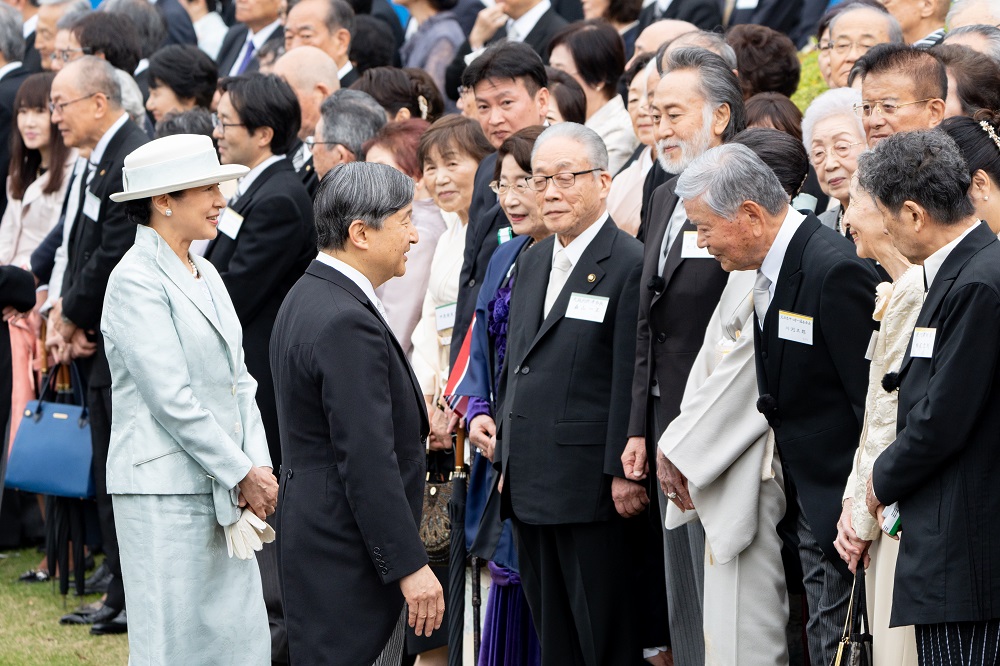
[52, 453]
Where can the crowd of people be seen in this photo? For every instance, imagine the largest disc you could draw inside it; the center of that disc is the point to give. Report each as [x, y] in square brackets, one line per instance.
[726, 368]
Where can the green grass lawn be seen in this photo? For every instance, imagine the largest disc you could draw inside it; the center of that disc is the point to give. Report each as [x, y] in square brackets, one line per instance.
[30, 633]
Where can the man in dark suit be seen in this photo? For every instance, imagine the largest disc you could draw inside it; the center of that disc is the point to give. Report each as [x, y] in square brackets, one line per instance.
[266, 239]
[12, 74]
[681, 283]
[509, 83]
[521, 21]
[813, 323]
[258, 23]
[86, 101]
[354, 431]
[941, 470]
[327, 25]
[32, 61]
[564, 412]
[705, 14]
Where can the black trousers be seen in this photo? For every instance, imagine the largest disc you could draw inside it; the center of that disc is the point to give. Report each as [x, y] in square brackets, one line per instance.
[99, 406]
[958, 643]
[579, 583]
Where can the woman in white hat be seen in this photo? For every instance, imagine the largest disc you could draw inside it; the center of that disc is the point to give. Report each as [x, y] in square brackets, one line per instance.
[188, 467]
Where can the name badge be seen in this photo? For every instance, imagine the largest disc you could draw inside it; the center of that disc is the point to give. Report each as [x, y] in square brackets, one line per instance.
[870, 354]
[444, 316]
[922, 345]
[587, 307]
[690, 249]
[230, 223]
[91, 206]
[795, 327]
[504, 235]
[746, 4]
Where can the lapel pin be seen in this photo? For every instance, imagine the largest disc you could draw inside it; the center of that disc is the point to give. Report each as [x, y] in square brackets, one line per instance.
[103, 171]
[591, 278]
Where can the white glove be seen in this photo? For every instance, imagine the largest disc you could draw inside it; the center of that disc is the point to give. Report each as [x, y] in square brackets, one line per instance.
[246, 535]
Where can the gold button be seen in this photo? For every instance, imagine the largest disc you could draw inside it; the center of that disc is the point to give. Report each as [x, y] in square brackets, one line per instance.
[591, 277]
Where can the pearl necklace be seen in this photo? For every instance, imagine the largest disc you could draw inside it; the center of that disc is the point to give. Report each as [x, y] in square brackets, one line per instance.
[194, 269]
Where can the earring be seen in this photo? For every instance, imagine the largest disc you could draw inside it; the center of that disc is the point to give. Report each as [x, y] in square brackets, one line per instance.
[168, 212]
[986, 198]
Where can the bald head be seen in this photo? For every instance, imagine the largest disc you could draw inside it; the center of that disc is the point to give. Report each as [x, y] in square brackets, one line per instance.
[88, 101]
[312, 74]
[91, 75]
[658, 33]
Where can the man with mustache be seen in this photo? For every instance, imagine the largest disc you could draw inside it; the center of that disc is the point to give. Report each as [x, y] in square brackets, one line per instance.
[697, 105]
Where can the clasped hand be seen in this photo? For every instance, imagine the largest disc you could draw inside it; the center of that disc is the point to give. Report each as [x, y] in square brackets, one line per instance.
[259, 490]
[425, 600]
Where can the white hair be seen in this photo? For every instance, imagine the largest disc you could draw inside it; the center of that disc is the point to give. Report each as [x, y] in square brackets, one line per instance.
[593, 144]
[959, 6]
[727, 176]
[131, 98]
[836, 102]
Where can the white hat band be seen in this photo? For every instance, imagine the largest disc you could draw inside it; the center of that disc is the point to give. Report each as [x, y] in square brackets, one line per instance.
[189, 168]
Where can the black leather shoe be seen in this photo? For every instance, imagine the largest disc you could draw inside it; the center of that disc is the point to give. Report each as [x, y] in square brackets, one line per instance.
[104, 614]
[98, 582]
[34, 576]
[119, 625]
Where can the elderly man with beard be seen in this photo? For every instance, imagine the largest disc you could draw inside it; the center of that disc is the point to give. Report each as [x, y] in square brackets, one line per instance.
[698, 104]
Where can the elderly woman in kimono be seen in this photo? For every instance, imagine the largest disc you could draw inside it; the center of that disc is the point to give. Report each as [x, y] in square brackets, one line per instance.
[188, 450]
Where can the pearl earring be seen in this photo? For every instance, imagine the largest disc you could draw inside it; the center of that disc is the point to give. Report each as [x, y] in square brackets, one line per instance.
[986, 198]
[168, 212]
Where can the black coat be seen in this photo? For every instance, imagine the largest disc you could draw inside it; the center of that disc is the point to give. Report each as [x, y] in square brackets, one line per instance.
[17, 288]
[705, 14]
[180, 30]
[9, 85]
[32, 60]
[233, 44]
[96, 247]
[673, 316]
[943, 466]
[272, 248]
[565, 384]
[796, 19]
[354, 428]
[819, 389]
[538, 39]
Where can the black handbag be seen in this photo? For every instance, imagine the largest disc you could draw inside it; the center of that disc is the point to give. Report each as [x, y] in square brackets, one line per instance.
[855, 647]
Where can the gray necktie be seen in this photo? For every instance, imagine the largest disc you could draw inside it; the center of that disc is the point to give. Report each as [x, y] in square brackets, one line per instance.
[561, 268]
[761, 296]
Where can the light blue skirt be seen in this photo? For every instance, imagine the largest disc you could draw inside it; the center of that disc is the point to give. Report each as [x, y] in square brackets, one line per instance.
[188, 602]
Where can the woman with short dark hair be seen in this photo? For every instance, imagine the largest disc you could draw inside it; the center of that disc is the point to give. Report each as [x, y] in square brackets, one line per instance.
[979, 142]
[180, 78]
[592, 52]
[567, 103]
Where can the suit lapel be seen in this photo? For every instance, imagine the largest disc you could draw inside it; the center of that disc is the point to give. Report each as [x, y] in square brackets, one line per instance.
[675, 255]
[244, 200]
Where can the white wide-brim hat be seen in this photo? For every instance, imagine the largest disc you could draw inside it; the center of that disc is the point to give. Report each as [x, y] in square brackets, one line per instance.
[173, 163]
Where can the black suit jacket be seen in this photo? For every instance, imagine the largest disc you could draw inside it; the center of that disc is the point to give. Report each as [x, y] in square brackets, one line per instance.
[9, 85]
[96, 247]
[32, 60]
[706, 14]
[565, 384]
[381, 9]
[233, 44]
[673, 316]
[943, 466]
[654, 179]
[819, 389]
[275, 243]
[354, 428]
[349, 78]
[538, 39]
[796, 19]
[485, 219]
[17, 287]
[180, 30]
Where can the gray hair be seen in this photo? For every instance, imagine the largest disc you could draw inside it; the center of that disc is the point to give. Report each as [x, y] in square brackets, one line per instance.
[69, 20]
[339, 14]
[959, 6]
[703, 39]
[719, 85]
[895, 30]
[76, 5]
[923, 166]
[149, 23]
[727, 176]
[350, 118]
[990, 33]
[357, 191]
[593, 144]
[132, 102]
[836, 102]
[11, 38]
[97, 75]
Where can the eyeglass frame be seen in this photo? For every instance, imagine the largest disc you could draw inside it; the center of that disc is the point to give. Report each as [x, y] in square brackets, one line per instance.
[311, 142]
[545, 179]
[842, 48]
[217, 123]
[61, 106]
[880, 105]
[847, 152]
[501, 189]
[83, 51]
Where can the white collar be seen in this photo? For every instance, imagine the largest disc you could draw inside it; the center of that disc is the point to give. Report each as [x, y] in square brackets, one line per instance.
[29, 26]
[662, 5]
[345, 70]
[258, 38]
[771, 266]
[98, 153]
[518, 30]
[578, 245]
[9, 67]
[933, 263]
[247, 180]
[355, 276]
[141, 67]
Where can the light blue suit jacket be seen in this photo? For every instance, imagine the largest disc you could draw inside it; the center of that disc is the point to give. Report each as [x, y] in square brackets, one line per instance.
[183, 410]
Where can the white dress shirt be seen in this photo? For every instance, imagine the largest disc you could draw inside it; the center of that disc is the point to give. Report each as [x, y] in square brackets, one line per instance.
[355, 276]
[28, 28]
[518, 29]
[577, 246]
[933, 263]
[9, 67]
[771, 265]
[247, 180]
[98, 153]
[210, 31]
[677, 220]
[258, 38]
[345, 70]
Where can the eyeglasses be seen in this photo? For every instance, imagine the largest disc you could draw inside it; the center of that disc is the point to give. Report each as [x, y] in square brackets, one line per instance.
[312, 142]
[66, 55]
[217, 122]
[844, 47]
[825, 45]
[562, 180]
[501, 189]
[865, 109]
[841, 149]
[61, 106]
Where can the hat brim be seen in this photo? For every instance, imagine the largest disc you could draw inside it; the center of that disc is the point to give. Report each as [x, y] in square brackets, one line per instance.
[223, 173]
